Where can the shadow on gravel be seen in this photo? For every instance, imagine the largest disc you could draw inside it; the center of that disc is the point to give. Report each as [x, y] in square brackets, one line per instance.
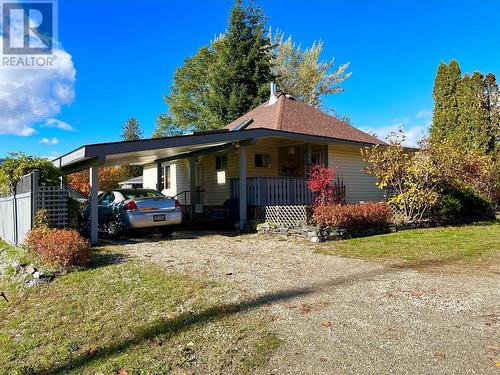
[100, 259]
[153, 236]
[171, 327]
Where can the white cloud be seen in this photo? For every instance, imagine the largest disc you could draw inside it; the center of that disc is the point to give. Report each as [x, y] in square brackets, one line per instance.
[31, 96]
[55, 123]
[51, 141]
[424, 113]
[398, 120]
[413, 133]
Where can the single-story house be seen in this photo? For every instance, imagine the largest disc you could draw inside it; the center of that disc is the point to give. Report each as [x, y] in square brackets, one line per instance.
[132, 183]
[260, 159]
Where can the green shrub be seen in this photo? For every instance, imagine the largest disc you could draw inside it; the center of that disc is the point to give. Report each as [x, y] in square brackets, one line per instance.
[41, 219]
[463, 204]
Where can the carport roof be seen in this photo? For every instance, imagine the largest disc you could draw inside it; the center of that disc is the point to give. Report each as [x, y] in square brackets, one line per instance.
[146, 151]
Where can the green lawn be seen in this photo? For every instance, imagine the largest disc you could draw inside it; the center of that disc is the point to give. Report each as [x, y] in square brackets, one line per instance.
[424, 246]
[131, 316]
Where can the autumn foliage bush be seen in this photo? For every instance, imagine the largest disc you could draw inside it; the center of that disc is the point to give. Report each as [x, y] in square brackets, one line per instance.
[320, 183]
[61, 248]
[350, 215]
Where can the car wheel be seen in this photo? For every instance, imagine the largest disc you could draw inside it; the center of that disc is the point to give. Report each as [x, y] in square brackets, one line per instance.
[113, 230]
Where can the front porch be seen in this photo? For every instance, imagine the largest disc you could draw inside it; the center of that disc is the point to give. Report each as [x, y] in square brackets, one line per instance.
[271, 191]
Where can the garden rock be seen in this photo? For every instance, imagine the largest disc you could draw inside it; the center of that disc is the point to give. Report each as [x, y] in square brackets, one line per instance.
[37, 274]
[36, 282]
[30, 270]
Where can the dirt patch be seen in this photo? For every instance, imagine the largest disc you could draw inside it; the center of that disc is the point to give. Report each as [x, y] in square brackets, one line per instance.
[346, 316]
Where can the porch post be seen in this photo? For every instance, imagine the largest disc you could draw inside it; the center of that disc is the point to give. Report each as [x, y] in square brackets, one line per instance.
[94, 190]
[192, 181]
[243, 186]
[158, 177]
[308, 155]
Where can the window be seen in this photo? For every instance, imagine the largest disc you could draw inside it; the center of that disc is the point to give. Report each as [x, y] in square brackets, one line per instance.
[263, 160]
[221, 162]
[166, 172]
[165, 177]
[316, 157]
[140, 193]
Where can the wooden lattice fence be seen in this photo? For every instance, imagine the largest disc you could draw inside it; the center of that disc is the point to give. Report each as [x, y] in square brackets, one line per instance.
[19, 206]
[282, 215]
[55, 200]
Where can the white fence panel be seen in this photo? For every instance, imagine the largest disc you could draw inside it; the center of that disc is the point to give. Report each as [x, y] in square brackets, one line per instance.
[24, 212]
[16, 211]
[7, 227]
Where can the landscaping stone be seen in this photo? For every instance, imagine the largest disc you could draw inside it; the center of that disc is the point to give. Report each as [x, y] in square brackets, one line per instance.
[317, 234]
[30, 270]
[35, 282]
[37, 274]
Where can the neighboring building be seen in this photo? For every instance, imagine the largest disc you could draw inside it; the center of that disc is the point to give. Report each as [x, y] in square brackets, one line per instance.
[263, 154]
[133, 183]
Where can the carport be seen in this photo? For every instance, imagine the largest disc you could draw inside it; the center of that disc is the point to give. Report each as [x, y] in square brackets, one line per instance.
[159, 150]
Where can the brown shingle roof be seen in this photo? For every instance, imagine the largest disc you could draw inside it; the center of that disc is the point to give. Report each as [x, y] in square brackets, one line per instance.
[294, 115]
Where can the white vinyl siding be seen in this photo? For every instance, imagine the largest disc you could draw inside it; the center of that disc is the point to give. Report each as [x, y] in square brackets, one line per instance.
[149, 176]
[217, 193]
[263, 146]
[347, 162]
[179, 178]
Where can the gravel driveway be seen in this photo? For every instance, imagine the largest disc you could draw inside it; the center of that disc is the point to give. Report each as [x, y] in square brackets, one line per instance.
[348, 316]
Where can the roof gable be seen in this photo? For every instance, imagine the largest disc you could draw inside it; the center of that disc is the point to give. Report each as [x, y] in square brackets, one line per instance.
[294, 115]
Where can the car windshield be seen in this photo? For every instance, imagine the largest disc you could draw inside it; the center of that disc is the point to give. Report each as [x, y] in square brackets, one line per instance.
[131, 194]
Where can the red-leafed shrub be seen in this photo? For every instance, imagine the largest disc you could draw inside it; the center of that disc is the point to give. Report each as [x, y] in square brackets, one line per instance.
[320, 183]
[349, 215]
[61, 248]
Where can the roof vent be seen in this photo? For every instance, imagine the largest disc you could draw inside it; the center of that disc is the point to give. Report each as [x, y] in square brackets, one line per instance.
[273, 98]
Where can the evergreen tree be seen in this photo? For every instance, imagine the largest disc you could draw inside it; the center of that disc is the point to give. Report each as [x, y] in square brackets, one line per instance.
[446, 111]
[227, 78]
[131, 131]
[472, 131]
[240, 75]
[493, 108]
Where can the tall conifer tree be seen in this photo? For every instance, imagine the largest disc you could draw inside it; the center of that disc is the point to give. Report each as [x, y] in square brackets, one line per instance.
[446, 111]
[131, 131]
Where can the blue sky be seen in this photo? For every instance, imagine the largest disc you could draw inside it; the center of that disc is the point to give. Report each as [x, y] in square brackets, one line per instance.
[124, 55]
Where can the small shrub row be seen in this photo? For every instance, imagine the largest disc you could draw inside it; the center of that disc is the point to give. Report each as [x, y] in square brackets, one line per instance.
[350, 215]
[62, 248]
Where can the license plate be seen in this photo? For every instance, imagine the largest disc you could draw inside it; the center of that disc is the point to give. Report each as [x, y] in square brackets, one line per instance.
[158, 217]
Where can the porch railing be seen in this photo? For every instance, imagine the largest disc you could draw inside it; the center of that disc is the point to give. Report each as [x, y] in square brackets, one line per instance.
[268, 191]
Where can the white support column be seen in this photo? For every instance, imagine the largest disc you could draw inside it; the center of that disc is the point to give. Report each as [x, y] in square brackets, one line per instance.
[308, 155]
[192, 186]
[243, 186]
[192, 180]
[94, 191]
[159, 186]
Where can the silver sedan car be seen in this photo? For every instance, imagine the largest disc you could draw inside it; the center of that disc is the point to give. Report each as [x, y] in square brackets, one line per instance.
[122, 210]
